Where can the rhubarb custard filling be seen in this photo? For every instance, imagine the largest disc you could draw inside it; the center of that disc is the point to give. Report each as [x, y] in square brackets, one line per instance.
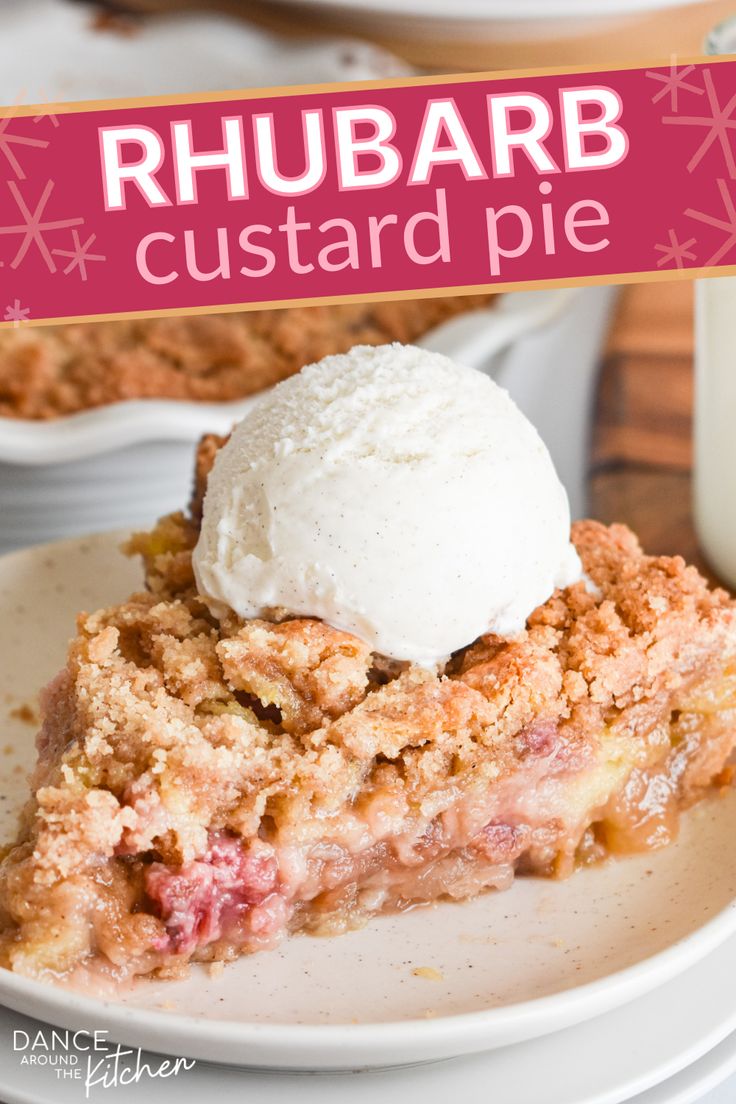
[207, 785]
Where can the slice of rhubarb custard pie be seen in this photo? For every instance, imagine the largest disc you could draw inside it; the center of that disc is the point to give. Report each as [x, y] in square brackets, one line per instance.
[370, 669]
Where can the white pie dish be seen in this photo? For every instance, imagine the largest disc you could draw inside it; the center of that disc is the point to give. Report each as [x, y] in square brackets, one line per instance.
[125, 464]
[121, 464]
[504, 968]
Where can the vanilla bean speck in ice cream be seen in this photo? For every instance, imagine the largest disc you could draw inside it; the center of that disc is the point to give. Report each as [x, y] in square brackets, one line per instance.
[395, 495]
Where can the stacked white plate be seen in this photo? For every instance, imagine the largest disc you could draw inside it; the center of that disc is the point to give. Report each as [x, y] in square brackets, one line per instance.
[586, 991]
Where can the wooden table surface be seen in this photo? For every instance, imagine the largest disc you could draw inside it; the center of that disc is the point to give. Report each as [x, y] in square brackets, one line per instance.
[642, 446]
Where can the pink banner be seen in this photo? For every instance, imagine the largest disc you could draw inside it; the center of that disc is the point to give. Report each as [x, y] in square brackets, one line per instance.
[245, 199]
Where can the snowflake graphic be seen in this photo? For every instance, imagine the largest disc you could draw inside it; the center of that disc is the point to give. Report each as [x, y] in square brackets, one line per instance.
[727, 226]
[16, 314]
[33, 227]
[676, 252]
[8, 140]
[53, 119]
[717, 123]
[673, 83]
[79, 254]
[46, 110]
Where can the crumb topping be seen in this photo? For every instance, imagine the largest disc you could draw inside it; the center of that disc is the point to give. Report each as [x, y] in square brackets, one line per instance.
[177, 722]
[51, 371]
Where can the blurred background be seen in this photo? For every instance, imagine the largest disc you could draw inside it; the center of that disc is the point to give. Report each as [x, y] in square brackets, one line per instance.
[627, 353]
[489, 34]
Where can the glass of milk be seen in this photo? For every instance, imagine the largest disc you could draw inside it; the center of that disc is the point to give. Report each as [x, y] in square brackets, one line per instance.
[715, 397]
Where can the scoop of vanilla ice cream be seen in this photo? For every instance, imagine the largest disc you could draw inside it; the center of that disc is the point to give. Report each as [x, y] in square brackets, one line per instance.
[393, 494]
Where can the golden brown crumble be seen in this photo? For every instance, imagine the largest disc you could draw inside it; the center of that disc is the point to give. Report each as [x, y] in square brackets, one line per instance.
[51, 371]
[186, 761]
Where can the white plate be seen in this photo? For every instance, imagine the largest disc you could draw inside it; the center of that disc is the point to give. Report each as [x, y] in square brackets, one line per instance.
[704, 1081]
[668, 1047]
[513, 966]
